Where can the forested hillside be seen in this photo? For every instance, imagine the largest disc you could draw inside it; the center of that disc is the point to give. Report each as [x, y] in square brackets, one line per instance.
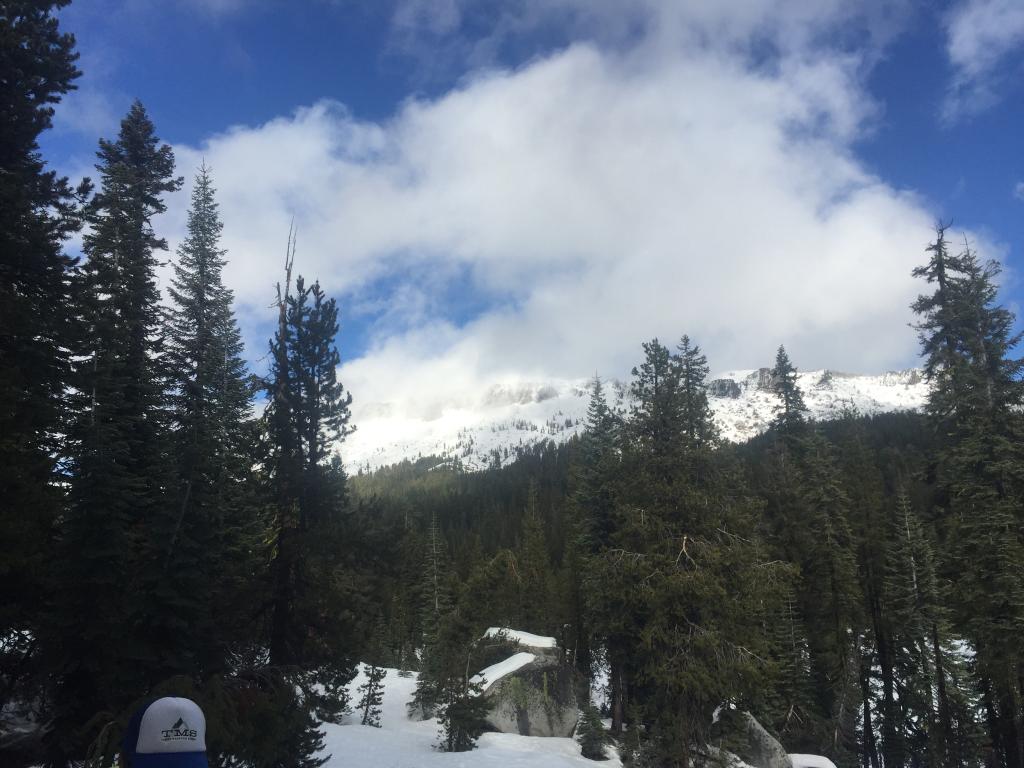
[172, 523]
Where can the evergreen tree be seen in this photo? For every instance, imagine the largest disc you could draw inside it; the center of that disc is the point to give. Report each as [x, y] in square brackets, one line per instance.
[534, 570]
[461, 709]
[594, 475]
[831, 597]
[595, 472]
[698, 420]
[792, 411]
[590, 734]
[437, 605]
[307, 415]
[120, 521]
[371, 694]
[313, 629]
[975, 403]
[656, 426]
[939, 327]
[791, 710]
[209, 405]
[37, 212]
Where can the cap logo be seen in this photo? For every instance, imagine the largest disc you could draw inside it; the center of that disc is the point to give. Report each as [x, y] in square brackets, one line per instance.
[179, 732]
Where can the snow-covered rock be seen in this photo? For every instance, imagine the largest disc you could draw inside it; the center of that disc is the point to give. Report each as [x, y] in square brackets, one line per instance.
[525, 639]
[490, 675]
[532, 693]
[488, 429]
[811, 761]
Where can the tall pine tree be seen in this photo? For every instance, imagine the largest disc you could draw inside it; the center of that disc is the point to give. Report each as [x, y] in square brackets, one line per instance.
[120, 519]
[975, 403]
[37, 213]
[209, 406]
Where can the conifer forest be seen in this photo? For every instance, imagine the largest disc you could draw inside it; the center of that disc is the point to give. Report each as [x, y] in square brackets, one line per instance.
[175, 520]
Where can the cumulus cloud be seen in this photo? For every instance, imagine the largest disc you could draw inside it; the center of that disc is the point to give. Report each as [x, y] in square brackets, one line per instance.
[591, 199]
[981, 35]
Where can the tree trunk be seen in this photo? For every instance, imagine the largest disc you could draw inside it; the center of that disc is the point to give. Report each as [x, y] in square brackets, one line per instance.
[618, 697]
[950, 756]
[870, 746]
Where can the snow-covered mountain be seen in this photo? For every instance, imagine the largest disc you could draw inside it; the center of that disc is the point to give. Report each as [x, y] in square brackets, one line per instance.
[478, 431]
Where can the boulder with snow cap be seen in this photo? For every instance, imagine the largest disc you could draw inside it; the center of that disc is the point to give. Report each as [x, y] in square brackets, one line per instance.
[531, 689]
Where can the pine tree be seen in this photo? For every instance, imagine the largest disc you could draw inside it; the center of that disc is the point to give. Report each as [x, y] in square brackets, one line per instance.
[437, 605]
[120, 518]
[698, 420]
[791, 709]
[313, 594]
[461, 709]
[534, 570]
[371, 694]
[307, 415]
[595, 472]
[674, 552]
[939, 329]
[590, 734]
[792, 411]
[967, 340]
[925, 664]
[593, 475]
[656, 426]
[37, 212]
[830, 593]
[209, 406]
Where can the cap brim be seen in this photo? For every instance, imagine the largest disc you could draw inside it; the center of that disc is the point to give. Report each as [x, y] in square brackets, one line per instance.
[170, 760]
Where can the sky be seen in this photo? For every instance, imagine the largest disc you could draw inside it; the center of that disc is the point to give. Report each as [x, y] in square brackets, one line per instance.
[529, 189]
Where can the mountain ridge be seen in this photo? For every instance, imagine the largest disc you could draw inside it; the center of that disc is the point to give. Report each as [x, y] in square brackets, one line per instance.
[488, 429]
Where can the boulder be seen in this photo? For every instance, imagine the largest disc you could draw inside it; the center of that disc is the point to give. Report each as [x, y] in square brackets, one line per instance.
[531, 692]
[757, 747]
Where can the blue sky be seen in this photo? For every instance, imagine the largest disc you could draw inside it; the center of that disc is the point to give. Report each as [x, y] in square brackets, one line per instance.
[530, 189]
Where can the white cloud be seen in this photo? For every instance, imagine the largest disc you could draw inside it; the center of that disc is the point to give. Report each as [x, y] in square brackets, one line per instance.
[981, 34]
[597, 197]
[1018, 190]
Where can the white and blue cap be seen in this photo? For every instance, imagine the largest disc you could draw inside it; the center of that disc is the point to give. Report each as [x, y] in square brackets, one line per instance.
[167, 733]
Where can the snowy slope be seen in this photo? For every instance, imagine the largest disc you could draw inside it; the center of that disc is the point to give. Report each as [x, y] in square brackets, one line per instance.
[481, 430]
[404, 743]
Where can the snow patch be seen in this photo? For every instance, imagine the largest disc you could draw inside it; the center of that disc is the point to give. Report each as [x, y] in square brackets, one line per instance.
[811, 761]
[495, 672]
[527, 639]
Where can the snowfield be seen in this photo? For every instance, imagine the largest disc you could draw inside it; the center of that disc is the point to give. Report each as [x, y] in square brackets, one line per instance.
[404, 743]
[481, 431]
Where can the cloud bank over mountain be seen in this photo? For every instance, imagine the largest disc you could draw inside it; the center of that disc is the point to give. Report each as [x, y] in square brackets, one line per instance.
[662, 173]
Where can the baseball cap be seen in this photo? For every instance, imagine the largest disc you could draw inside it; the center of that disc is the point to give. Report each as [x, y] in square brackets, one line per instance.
[167, 733]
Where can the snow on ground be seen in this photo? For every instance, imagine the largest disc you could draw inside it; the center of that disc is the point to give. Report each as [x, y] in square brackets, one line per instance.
[527, 639]
[404, 743]
[481, 431]
[492, 674]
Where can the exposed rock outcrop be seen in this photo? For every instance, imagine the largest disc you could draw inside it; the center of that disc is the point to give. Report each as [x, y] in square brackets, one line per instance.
[531, 696]
[724, 388]
[749, 740]
[765, 379]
